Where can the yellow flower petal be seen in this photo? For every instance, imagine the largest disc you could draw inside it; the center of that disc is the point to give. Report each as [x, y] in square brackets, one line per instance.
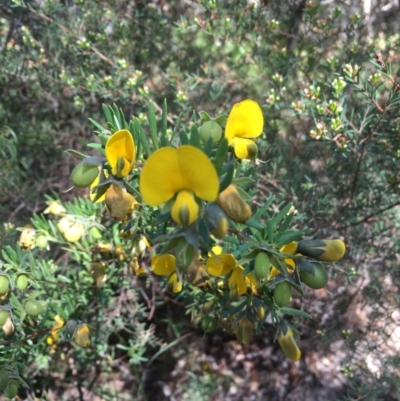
[173, 284]
[92, 195]
[289, 346]
[245, 148]
[120, 153]
[185, 209]
[289, 248]
[237, 282]
[163, 265]
[220, 265]
[245, 120]
[170, 170]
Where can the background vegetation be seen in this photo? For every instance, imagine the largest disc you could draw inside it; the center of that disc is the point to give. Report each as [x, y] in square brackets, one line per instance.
[326, 74]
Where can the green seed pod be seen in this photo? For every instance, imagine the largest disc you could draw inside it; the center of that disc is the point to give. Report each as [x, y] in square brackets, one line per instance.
[21, 282]
[282, 293]
[33, 307]
[41, 241]
[210, 129]
[208, 324]
[4, 284]
[262, 266]
[12, 388]
[83, 175]
[4, 314]
[319, 280]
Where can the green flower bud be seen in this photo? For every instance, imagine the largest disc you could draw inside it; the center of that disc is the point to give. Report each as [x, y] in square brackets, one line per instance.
[33, 307]
[316, 281]
[4, 284]
[41, 241]
[210, 129]
[95, 233]
[328, 250]
[83, 175]
[282, 293]
[262, 266]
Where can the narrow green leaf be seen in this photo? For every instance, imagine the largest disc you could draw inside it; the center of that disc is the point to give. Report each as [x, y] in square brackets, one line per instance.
[296, 312]
[259, 213]
[75, 153]
[235, 310]
[153, 125]
[107, 113]
[183, 137]
[220, 156]
[141, 135]
[226, 180]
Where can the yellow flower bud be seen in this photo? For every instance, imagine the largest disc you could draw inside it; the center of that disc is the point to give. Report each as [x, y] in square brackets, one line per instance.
[289, 346]
[119, 203]
[216, 221]
[74, 233]
[233, 205]
[328, 250]
[120, 253]
[54, 207]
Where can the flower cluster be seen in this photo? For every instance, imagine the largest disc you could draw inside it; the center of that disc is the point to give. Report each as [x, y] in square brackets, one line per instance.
[187, 198]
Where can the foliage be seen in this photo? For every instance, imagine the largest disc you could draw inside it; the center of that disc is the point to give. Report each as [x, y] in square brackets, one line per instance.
[330, 143]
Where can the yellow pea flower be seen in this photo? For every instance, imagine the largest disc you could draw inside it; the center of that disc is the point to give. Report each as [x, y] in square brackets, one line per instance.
[165, 265]
[221, 264]
[244, 121]
[81, 335]
[185, 174]
[120, 153]
[288, 345]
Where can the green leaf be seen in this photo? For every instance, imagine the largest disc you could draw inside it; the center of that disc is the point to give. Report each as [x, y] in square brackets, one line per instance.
[195, 137]
[153, 125]
[75, 153]
[235, 310]
[259, 213]
[183, 137]
[220, 156]
[107, 113]
[226, 180]
[204, 116]
[97, 125]
[142, 136]
[221, 120]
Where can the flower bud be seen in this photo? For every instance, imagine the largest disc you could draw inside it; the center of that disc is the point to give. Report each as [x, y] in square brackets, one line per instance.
[288, 345]
[260, 313]
[216, 221]
[95, 233]
[119, 203]
[210, 129]
[262, 266]
[233, 205]
[328, 250]
[245, 331]
[83, 175]
[120, 253]
[54, 207]
[282, 293]
[81, 335]
[173, 284]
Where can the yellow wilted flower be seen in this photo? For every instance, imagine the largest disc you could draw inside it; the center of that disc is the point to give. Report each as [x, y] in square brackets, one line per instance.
[119, 203]
[288, 345]
[245, 121]
[327, 250]
[81, 336]
[27, 238]
[165, 265]
[54, 338]
[230, 201]
[244, 331]
[184, 174]
[120, 153]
